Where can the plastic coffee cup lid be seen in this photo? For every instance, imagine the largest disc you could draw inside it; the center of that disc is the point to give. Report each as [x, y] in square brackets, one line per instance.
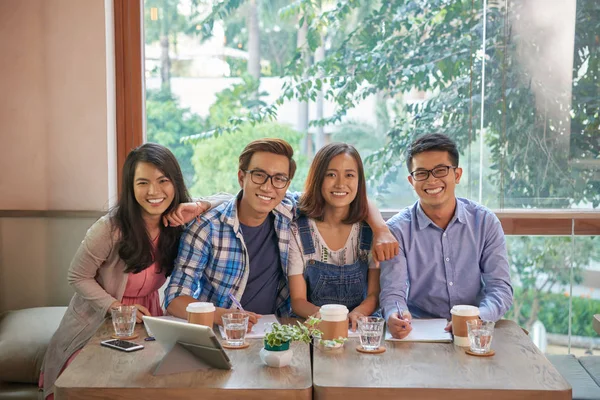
[333, 312]
[200, 307]
[465, 311]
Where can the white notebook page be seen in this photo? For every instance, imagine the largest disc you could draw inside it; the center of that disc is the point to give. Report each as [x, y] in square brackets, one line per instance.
[425, 330]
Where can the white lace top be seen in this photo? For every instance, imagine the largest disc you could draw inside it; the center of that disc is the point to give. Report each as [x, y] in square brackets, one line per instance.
[346, 255]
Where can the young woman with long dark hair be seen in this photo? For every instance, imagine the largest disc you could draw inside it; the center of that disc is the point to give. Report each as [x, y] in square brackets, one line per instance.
[126, 255]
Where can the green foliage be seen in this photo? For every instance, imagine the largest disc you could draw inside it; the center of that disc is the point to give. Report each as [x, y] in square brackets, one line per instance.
[277, 33]
[280, 334]
[553, 312]
[167, 123]
[170, 20]
[541, 266]
[216, 159]
[231, 102]
[399, 46]
[362, 135]
[219, 153]
[232, 109]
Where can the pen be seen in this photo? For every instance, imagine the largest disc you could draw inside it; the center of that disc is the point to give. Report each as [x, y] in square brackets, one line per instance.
[400, 312]
[237, 303]
[149, 339]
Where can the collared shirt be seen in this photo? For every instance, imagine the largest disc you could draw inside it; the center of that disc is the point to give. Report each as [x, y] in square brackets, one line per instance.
[213, 259]
[436, 269]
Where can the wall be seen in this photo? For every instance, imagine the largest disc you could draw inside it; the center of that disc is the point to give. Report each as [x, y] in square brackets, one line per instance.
[56, 139]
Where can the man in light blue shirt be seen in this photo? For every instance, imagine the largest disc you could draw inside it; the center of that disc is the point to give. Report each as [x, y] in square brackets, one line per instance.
[452, 250]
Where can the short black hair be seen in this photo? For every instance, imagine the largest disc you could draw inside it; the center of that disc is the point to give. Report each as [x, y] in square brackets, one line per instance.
[432, 142]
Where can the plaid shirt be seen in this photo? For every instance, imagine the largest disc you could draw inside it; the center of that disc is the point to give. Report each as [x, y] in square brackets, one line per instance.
[213, 259]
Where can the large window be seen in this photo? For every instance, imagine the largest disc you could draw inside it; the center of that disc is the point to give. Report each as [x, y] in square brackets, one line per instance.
[515, 83]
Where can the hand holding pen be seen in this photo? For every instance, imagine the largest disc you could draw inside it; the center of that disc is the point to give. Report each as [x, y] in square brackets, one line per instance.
[252, 317]
[237, 303]
[401, 315]
[399, 326]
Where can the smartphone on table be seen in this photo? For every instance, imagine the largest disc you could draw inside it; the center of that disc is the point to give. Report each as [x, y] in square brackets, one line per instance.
[122, 345]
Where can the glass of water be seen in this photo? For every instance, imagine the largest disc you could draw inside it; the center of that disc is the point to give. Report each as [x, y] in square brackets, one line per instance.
[480, 335]
[123, 319]
[235, 326]
[370, 331]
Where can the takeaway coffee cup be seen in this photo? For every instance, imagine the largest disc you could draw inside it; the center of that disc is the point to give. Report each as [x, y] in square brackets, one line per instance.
[460, 315]
[201, 313]
[334, 321]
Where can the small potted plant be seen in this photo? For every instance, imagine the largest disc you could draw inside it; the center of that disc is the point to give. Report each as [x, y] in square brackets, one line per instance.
[277, 352]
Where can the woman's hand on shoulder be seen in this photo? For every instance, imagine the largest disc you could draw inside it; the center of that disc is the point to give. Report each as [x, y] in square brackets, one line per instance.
[185, 212]
[385, 246]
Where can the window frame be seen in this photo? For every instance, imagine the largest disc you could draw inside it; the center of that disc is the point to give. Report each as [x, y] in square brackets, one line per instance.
[130, 113]
[129, 78]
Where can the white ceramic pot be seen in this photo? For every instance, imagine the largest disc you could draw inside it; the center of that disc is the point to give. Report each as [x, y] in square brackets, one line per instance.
[276, 359]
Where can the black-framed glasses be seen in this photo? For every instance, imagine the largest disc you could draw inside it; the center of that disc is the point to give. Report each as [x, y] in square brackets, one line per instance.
[438, 172]
[260, 177]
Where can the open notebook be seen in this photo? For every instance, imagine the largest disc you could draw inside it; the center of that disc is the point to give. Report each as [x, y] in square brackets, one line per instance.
[425, 330]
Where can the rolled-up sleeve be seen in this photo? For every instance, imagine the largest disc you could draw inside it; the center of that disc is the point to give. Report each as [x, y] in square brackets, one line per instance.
[194, 254]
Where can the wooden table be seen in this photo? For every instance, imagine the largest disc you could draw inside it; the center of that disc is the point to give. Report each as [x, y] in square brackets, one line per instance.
[100, 373]
[439, 371]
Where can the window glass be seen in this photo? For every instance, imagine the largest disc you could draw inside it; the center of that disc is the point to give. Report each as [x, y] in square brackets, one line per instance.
[514, 83]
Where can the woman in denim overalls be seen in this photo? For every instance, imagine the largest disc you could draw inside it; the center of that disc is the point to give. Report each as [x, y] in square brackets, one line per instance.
[330, 252]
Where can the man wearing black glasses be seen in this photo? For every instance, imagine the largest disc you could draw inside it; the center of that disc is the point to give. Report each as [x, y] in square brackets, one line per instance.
[237, 253]
[452, 250]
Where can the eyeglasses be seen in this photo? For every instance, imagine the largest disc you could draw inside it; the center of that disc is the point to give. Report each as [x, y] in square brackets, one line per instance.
[260, 177]
[438, 172]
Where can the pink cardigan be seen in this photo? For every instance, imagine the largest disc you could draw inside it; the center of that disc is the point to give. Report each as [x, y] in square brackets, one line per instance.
[98, 276]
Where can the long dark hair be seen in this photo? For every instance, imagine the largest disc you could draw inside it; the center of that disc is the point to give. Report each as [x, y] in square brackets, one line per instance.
[135, 245]
[312, 202]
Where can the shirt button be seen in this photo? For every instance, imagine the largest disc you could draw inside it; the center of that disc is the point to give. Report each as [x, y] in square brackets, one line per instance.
[447, 259]
[451, 283]
[444, 234]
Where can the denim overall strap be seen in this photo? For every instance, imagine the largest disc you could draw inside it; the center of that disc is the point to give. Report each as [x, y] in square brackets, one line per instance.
[308, 246]
[366, 236]
[336, 284]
